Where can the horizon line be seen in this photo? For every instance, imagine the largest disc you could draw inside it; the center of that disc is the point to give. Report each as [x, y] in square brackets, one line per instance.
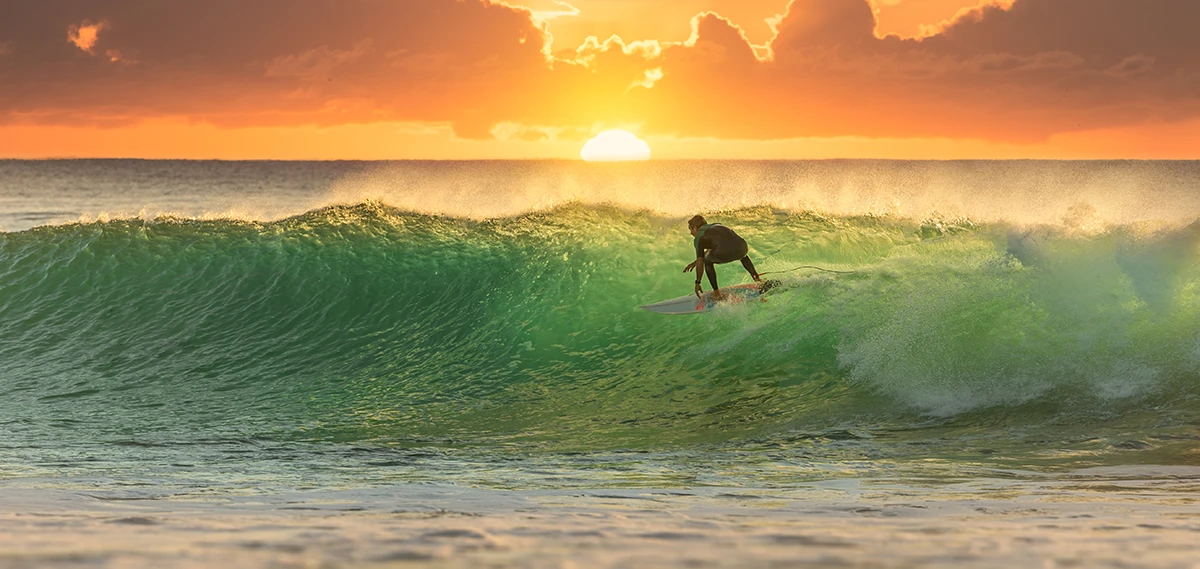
[601, 164]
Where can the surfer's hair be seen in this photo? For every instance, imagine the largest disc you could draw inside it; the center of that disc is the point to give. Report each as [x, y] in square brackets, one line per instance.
[696, 221]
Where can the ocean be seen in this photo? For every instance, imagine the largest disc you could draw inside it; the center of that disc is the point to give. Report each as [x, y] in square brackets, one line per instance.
[372, 364]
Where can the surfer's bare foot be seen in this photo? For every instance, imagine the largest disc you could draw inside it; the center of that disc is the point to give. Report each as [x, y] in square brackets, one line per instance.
[717, 295]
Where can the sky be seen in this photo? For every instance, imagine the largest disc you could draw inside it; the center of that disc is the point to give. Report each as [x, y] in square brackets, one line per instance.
[485, 79]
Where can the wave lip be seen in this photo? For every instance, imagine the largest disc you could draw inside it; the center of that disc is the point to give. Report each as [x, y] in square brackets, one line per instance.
[1085, 194]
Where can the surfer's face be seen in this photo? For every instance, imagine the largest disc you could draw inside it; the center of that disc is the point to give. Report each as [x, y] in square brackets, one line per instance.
[692, 230]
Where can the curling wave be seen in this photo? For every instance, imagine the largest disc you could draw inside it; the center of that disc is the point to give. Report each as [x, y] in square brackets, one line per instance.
[366, 322]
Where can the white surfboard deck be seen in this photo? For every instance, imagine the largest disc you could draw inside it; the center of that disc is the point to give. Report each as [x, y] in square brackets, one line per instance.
[692, 304]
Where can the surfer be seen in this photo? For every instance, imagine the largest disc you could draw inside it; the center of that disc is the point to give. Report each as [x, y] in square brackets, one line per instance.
[715, 244]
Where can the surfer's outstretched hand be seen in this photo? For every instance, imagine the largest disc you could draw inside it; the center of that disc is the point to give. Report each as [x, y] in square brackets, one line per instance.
[690, 266]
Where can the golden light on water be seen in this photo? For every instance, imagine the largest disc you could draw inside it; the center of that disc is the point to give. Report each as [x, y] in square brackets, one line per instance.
[615, 146]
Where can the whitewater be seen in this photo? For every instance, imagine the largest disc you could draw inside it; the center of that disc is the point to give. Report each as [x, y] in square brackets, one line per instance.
[258, 363]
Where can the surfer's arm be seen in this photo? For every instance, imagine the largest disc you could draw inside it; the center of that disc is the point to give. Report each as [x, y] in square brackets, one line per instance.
[711, 271]
[697, 266]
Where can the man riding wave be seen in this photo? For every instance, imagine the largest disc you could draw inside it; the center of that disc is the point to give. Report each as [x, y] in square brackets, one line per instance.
[717, 244]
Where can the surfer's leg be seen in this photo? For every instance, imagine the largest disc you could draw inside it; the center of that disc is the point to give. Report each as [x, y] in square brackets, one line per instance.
[749, 265]
[727, 252]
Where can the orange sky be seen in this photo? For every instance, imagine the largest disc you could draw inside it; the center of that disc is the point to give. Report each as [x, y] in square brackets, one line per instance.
[396, 79]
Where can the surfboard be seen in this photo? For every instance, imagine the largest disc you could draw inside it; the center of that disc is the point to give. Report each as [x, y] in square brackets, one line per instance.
[691, 304]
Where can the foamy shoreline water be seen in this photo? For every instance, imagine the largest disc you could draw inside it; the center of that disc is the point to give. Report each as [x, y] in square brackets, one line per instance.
[1142, 516]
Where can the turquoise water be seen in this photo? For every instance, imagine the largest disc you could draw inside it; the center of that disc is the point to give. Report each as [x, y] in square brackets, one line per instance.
[443, 364]
[379, 341]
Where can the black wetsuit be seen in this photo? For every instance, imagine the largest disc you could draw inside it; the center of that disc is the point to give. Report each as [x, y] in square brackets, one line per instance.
[723, 246]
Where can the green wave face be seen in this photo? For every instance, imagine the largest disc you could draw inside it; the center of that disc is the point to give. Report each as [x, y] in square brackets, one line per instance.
[366, 323]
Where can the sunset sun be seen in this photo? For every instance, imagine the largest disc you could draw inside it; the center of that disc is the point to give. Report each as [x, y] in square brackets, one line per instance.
[615, 146]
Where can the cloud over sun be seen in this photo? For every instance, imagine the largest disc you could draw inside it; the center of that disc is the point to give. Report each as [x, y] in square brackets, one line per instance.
[1007, 71]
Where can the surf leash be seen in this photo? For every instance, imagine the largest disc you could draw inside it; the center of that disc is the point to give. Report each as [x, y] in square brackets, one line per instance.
[814, 267]
[807, 267]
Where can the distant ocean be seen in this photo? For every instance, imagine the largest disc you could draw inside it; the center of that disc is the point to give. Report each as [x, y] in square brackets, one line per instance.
[389, 363]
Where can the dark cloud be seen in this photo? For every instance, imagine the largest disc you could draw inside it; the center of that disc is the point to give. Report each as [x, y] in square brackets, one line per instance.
[1024, 73]
[266, 61]
[824, 24]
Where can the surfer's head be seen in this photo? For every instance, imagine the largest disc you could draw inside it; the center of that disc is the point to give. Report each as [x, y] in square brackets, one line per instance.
[695, 223]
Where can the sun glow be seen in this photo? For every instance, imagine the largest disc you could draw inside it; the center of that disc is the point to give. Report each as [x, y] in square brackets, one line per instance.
[615, 146]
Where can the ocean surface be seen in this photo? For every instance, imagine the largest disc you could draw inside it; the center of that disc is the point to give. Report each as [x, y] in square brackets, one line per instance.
[443, 363]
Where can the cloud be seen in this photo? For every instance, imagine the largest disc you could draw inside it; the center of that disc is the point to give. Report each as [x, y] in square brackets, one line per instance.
[1007, 62]
[968, 13]
[592, 49]
[559, 10]
[234, 63]
[720, 39]
[1133, 65]
[86, 34]
[1015, 72]
[537, 133]
[1023, 73]
[823, 25]
[115, 56]
[648, 80]
[318, 62]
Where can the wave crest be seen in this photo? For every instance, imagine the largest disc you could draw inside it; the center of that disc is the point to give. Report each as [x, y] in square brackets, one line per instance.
[370, 322]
